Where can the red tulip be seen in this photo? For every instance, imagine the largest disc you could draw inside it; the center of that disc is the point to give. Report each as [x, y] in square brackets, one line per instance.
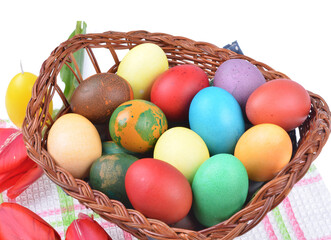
[18, 222]
[86, 228]
[17, 170]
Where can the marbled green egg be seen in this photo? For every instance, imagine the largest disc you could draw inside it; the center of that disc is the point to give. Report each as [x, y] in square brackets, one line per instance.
[107, 174]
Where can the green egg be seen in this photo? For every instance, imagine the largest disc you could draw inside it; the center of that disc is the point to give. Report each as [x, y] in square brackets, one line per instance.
[220, 188]
[110, 147]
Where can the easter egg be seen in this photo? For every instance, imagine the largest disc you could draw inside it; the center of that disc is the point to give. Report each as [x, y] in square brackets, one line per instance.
[110, 147]
[74, 143]
[99, 95]
[136, 125]
[174, 90]
[140, 66]
[107, 174]
[220, 188]
[158, 190]
[264, 150]
[216, 117]
[240, 78]
[281, 101]
[182, 148]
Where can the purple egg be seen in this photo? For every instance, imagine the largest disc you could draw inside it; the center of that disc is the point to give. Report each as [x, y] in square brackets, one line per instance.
[240, 78]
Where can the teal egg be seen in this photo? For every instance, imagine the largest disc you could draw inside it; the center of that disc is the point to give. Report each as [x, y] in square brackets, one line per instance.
[216, 116]
[220, 188]
[110, 147]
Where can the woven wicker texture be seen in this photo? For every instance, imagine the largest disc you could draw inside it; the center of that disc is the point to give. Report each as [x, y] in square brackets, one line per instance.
[179, 50]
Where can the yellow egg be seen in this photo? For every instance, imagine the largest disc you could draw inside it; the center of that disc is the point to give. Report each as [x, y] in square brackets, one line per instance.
[264, 150]
[182, 148]
[140, 66]
[74, 143]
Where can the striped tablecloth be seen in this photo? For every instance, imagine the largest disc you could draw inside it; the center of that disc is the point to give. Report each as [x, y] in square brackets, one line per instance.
[304, 214]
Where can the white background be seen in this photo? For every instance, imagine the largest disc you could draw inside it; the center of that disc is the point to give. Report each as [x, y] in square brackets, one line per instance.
[292, 37]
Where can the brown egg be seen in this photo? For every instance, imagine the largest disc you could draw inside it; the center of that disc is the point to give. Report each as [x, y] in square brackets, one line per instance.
[99, 95]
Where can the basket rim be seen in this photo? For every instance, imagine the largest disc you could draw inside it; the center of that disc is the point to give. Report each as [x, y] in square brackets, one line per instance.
[313, 136]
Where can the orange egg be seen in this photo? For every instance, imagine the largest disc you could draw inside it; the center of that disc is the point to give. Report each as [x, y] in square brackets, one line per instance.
[264, 150]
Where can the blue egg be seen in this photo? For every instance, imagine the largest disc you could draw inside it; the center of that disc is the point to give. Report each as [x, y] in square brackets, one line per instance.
[216, 116]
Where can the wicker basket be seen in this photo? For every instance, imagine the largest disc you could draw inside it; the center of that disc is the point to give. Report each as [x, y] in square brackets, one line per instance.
[179, 50]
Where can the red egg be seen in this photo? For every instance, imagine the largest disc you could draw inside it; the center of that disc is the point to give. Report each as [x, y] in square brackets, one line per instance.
[158, 190]
[174, 90]
[282, 102]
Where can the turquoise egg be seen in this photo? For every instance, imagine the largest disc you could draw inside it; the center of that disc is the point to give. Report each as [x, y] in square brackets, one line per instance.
[216, 116]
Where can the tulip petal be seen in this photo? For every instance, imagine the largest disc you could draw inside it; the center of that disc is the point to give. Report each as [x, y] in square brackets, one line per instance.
[5, 133]
[25, 181]
[12, 150]
[85, 216]
[26, 165]
[22, 223]
[8, 179]
[86, 228]
[78, 231]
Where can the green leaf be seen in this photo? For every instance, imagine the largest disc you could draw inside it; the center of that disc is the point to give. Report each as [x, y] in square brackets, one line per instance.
[66, 75]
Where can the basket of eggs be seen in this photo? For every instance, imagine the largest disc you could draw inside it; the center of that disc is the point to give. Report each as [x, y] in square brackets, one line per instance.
[178, 139]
